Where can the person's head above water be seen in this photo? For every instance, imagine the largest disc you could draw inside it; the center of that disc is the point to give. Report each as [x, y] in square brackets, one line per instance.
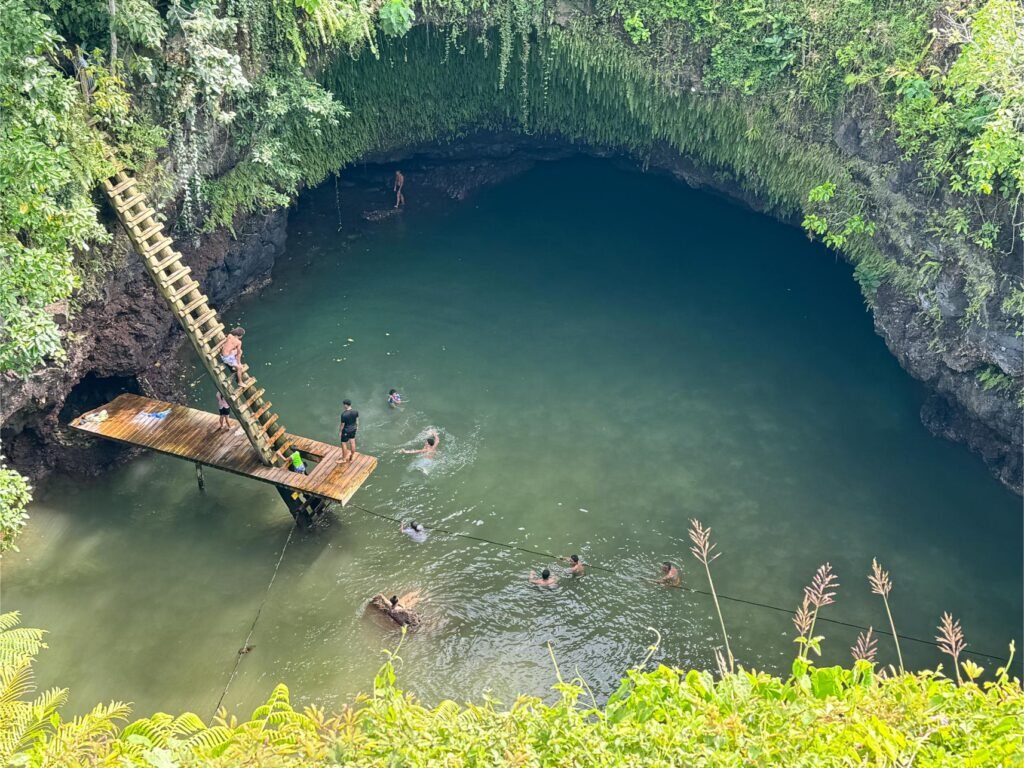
[394, 600]
[418, 527]
[392, 391]
[239, 331]
[545, 574]
[431, 440]
[574, 558]
[667, 566]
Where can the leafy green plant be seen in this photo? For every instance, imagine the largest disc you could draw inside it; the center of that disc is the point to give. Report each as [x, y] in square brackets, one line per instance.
[15, 496]
[396, 17]
[635, 28]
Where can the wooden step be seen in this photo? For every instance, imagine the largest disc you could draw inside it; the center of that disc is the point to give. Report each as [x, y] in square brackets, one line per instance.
[144, 236]
[263, 409]
[170, 280]
[152, 249]
[241, 387]
[195, 303]
[129, 182]
[210, 333]
[135, 218]
[203, 319]
[265, 426]
[186, 289]
[282, 452]
[164, 263]
[252, 399]
[214, 351]
[126, 205]
[274, 437]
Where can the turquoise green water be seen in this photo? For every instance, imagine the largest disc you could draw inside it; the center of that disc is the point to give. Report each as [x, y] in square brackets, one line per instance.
[605, 354]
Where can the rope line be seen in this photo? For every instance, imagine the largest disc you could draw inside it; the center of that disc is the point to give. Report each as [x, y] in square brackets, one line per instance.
[256, 618]
[693, 590]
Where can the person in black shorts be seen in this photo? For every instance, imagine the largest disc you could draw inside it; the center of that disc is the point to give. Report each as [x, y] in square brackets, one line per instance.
[347, 430]
[224, 409]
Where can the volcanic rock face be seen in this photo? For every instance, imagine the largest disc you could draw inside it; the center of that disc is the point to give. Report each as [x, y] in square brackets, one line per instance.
[123, 340]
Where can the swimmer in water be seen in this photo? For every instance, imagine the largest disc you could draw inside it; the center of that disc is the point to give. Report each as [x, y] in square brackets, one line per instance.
[414, 531]
[576, 566]
[430, 446]
[394, 398]
[545, 579]
[399, 611]
[669, 575]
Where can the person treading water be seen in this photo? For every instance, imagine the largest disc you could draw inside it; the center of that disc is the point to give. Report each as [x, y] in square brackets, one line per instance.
[669, 575]
[576, 566]
[544, 580]
[414, 531]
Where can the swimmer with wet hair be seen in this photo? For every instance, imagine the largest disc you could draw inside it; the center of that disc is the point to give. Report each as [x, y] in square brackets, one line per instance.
[394, 398]
[430, 446]
[576, 566]
[669, 575]
[545, 579]
[414, 531]
[398, 610]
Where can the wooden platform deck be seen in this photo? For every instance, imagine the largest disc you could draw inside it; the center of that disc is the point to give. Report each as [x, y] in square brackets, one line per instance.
[193, 435]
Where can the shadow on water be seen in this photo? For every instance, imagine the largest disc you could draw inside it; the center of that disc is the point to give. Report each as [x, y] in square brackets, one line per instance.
[605, 355]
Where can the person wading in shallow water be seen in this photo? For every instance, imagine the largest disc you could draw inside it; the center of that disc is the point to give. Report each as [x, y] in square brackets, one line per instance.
[347, 431]
[397, 188]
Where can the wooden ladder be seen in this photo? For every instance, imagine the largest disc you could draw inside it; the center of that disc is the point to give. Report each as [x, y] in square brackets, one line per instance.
[202, 325]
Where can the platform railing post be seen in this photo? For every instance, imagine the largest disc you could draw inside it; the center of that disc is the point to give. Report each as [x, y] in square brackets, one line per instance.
[199, 477]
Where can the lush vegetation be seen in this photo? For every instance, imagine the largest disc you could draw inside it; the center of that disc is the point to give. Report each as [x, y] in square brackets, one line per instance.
[231, 106]
[828, 716]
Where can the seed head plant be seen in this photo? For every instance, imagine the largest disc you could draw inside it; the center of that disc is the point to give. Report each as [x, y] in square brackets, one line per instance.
[951, 641]
[881, 585]
[819, 593]
[702, 549]
[866, 646]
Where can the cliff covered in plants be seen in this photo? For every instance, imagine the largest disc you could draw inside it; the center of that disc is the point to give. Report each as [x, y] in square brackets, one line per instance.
[892, 132]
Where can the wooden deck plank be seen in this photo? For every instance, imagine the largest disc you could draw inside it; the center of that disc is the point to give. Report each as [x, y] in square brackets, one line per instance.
[190, 434]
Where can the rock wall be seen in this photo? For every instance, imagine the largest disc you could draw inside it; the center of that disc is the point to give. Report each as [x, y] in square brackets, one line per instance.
[124, 338]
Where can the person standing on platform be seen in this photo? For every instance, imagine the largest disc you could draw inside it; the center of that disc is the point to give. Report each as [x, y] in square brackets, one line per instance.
[224, 409]
[397, 188]
[347, 431]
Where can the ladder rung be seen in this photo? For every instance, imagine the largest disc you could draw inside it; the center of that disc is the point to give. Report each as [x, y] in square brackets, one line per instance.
[144, 236]
[135, 218]
[252, 399]
[193, 304]
[245, 385]
[161, 265]
[128, 182]
[281, 452]
[273, 438]
[203, 319]
[263, 409]
[192, 285]
[170, 280]
[151, 250]
[265, 426]
[131, 202]
[215, 349]
[211, 333]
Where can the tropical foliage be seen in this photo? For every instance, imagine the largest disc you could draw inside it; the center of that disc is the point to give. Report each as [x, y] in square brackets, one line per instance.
[830, 716]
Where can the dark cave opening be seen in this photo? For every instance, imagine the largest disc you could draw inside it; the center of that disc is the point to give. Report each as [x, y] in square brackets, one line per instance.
[93, 391]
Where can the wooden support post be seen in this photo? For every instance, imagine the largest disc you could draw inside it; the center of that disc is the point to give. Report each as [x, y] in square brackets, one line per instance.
[199, 477]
